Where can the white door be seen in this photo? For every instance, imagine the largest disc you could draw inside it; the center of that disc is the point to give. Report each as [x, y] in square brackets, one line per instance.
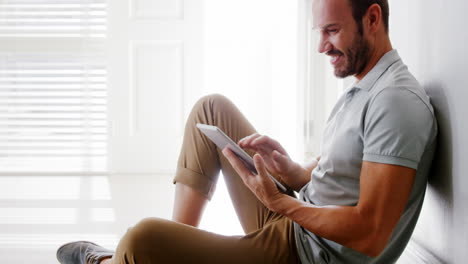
[155, 56]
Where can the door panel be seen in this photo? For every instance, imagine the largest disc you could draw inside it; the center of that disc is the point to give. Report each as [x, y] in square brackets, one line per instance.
[155, 54]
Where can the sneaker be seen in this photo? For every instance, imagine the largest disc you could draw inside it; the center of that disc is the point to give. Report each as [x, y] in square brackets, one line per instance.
[82, 252]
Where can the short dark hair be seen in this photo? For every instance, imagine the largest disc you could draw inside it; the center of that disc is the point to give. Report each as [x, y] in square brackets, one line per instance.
[360, 8]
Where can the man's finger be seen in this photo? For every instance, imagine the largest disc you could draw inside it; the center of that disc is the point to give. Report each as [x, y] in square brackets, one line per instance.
[268, 143]
[264, 143]
[260, 165]
[268, 183]
[280, 161]
[246, 142]
[236, 163]
[262, 140]
[244, 139]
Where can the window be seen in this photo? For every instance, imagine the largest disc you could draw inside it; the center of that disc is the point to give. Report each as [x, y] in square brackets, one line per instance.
[53, 18]
[53, 90]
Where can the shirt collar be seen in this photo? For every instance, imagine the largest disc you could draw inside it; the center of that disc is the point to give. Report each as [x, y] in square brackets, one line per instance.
[382, 65]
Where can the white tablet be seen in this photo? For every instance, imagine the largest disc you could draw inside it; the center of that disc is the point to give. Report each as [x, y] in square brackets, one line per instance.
[222, 140]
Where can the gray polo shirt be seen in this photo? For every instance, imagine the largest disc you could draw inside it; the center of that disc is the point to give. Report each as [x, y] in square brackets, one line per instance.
[386, 118]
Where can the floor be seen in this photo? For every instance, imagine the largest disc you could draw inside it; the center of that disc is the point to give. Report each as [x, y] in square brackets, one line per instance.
[38, 214]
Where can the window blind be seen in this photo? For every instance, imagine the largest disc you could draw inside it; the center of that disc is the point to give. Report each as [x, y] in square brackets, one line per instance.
[53, 18]
[53, 104]
[52, 113]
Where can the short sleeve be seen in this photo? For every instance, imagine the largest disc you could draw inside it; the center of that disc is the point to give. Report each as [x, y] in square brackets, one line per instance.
[397, 128]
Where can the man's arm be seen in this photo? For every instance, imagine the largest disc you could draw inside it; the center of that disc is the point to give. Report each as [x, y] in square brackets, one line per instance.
[366, 227]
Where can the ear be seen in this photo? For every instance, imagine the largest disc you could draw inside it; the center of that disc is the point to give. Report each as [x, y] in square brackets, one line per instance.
[373, 18]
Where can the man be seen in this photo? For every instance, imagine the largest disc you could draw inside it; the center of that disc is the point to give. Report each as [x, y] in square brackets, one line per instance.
[359, 204]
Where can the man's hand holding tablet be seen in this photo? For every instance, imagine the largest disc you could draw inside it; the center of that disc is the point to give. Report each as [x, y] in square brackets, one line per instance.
[223, 141]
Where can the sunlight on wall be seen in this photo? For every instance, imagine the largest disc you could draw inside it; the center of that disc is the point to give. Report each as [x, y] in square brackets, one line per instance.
[38, 216]
[250, 55]
[43, 212]
[102, 215]
[100, 189]
[36, 188]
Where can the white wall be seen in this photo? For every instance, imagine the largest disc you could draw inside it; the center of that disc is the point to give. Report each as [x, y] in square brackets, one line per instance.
[250, 56]
[431, 37]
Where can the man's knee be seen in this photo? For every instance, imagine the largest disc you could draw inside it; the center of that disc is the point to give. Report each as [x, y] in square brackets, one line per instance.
[214, 98]
[141, 238]
[213, 102]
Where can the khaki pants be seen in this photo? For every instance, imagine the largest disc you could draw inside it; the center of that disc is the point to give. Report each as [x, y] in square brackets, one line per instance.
[270, 236]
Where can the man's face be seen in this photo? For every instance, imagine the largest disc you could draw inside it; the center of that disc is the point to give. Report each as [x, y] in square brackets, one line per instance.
[339, 37]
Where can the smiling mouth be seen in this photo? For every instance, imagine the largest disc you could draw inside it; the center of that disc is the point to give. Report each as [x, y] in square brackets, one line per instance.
[335, 59]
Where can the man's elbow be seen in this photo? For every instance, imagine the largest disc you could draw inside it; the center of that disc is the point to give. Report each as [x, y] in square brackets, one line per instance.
[374, 233]
[372, 250]
[375, 242]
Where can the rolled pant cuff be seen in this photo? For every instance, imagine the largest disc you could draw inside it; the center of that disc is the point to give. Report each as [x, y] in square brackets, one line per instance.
[196, 181]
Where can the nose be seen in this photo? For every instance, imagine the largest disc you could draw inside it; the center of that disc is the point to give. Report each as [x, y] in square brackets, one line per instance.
[324, 45]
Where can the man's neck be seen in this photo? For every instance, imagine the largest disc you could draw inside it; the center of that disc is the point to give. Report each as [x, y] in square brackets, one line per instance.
[377, 53]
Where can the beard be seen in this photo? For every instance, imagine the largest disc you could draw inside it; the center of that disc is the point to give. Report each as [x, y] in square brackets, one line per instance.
[356, 57]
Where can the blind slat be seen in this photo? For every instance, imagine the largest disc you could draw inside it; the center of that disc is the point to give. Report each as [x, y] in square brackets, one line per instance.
[53, 19]
[53, 106]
